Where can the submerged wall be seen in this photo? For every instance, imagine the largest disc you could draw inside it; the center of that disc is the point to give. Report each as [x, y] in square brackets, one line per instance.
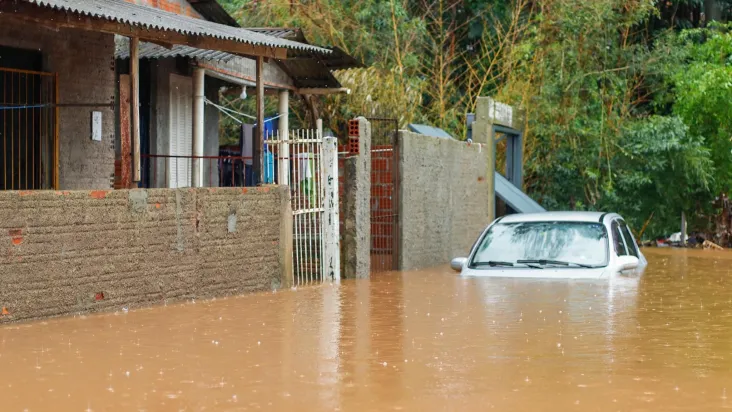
[81, 251]
[443, 200]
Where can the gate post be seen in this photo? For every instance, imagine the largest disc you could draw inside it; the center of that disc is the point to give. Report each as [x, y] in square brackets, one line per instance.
[357, 201]
[331, 234]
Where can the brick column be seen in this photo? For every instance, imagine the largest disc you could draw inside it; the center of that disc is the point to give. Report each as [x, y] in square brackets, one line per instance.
[357, 202]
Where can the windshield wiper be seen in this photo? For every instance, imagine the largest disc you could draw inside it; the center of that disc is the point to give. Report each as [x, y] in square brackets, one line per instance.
[492, 263]
[552, 262]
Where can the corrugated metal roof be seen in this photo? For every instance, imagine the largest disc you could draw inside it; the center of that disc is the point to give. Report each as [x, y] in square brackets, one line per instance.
[153, 51]
[307, 70]
[155, 19]
[281, 32]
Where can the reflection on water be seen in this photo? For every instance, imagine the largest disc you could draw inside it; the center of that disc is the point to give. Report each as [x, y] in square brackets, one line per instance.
[419, 340]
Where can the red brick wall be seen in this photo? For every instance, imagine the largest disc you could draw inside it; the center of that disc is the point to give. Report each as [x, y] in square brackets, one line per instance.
[383, 204]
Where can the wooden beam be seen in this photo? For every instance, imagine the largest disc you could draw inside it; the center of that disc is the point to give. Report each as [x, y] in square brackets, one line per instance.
[259, 137]
[135, 97]
[232, 76]
[124, 127]
[319, 91]
[61, 19]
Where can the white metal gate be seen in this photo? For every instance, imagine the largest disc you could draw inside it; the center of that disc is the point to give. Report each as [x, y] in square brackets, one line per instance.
[308, 163]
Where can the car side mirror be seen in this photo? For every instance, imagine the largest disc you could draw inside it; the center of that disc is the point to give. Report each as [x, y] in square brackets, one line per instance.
[628, 262]
[458, 263]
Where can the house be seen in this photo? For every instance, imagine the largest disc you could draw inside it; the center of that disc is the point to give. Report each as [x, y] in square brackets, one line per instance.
[89, 84]
[167, 97]
[65, 82]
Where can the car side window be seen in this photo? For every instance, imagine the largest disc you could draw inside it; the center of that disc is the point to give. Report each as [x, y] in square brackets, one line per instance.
[618, 240]
[629, 242]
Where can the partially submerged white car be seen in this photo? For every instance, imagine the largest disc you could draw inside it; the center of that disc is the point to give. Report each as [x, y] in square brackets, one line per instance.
[569, 245]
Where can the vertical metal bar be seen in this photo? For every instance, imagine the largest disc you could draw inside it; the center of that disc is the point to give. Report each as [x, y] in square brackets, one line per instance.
[56, 152]
[33, 133]
[5, 136]
[301, 206]
[311, 254]
[395, 196]
[43, 132]
[26, 130]
[311, 183]
[298, 228]
[292, 198]
[12, 134]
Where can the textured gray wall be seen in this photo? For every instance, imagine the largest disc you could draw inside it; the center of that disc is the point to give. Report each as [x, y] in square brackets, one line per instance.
[357, 208]
[84, 62]
[137, 247]
[443, 199]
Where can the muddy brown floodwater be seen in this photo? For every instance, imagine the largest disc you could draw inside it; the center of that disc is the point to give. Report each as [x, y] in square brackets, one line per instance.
[414, 341]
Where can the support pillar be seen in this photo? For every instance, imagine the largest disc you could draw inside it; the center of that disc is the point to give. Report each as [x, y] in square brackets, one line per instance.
[489, 115]
[198, 124]
[135, 97]
[284, 134]
[357, 202]
[258, 144]
[331, 233]
[483, 133]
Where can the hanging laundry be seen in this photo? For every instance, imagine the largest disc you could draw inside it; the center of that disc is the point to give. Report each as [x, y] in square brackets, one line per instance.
[304, 174]
[268, 166]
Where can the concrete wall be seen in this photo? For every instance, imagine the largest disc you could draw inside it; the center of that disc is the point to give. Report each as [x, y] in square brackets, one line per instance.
[84, 62]
[82, 251]
[443, 199]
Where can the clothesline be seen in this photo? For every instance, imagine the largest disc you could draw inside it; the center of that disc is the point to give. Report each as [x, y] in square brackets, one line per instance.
[233, 113]
[31, 106]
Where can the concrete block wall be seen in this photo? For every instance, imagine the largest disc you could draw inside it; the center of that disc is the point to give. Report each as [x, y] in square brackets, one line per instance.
[72, 252]
[443, 200]
[84, 62]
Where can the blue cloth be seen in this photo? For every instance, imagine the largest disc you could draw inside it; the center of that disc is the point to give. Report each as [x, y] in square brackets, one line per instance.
[268, 167]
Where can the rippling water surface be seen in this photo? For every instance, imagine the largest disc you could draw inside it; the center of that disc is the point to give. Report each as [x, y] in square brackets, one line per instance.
[425, 340]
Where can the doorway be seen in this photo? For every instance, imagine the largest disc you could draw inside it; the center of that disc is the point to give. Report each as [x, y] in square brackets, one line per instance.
[28, 122]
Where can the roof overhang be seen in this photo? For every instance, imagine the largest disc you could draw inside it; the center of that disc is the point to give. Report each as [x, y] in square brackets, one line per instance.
[150, 24]
[308, 73]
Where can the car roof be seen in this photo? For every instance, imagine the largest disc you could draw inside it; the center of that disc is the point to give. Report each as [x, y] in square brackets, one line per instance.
[556, 216]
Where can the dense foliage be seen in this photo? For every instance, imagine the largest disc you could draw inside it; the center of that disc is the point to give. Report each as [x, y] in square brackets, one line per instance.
[627, 102]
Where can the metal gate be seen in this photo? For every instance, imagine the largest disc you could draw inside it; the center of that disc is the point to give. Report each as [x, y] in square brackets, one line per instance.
[308, 164]
[384, 194]
[28, 129]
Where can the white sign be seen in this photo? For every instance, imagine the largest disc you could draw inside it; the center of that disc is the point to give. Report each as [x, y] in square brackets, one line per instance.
[96, 123]
[501, 113]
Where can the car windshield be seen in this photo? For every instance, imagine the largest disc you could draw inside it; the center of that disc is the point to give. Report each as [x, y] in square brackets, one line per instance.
[576, 244]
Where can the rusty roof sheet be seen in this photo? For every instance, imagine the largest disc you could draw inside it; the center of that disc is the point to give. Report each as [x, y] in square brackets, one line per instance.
[155, 19]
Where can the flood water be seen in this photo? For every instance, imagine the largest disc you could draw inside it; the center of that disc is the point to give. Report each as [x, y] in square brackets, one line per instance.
[425, 340]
